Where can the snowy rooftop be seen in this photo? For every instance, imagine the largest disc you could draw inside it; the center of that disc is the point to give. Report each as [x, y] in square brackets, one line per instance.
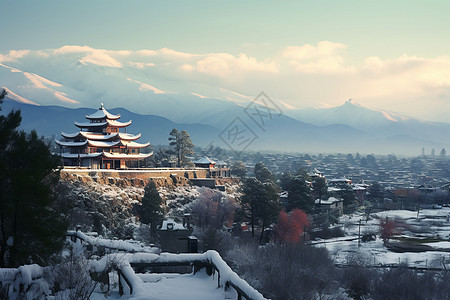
[170, 224]
[128, 156]
[221, 163]
[103, 144]
[130, 144]
[102, 113]
[115, 123]
[204, 160]
[330, 200]
[337, 180]
[89, 124]
[128, 136]
[70, 143]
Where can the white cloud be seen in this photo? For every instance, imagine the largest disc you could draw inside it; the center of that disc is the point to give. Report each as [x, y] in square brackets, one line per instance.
[299, 75]
[140, 65]
[13, 55]
[324, 58]
[94, 56]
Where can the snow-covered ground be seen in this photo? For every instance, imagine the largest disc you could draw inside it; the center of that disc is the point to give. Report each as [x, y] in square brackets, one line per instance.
[173, 286]
[432, 225]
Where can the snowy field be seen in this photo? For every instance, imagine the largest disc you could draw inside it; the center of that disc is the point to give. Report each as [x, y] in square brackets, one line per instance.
[432, 228]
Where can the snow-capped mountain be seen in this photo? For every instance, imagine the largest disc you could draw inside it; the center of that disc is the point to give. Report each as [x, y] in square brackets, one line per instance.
[280, 133]
[378, 123]
[145, 82]
[350, 114]
[75, 76]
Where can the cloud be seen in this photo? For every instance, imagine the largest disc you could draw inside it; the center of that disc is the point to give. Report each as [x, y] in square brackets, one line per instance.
[13, 55]
[94, 56]
[140, 65]
[224, 64]
[298, 75]
[326, 57]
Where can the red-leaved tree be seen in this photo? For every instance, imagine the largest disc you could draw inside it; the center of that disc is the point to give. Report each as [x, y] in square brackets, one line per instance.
[388, 228]
[291, 226]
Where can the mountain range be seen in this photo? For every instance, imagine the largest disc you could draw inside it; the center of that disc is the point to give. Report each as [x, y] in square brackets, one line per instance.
[347, 128]
[50, 86]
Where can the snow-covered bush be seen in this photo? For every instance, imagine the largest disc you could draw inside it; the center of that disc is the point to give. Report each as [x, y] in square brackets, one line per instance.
[290, 271]
[70, 279]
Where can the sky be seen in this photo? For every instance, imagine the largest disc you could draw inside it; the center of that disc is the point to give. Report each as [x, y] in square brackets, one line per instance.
[391, 55]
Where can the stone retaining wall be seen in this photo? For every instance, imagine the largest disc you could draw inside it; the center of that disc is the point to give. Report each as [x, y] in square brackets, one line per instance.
[140, 178]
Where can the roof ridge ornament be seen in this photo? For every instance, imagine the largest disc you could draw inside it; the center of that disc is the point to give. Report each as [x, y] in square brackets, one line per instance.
[101, 105]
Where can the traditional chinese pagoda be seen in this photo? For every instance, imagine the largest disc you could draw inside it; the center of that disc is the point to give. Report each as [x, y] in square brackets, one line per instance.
[100, 145]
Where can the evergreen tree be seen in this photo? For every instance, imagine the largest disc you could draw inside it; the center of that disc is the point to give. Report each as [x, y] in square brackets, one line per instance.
[348, 195]
[299, 195]
[443, 152]
[182, 146]
[31, 230]
[175, 143]
[262, 173]
[320, 188]
[285, 180]
[187, 148]
[150, 210]
[376, 192]
[260, 202]
[239, 169]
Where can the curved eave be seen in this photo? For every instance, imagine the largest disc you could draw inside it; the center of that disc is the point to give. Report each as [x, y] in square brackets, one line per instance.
[88, 124]
[81, 155]
[70, 144]
[113, 123]
[70, 135]
[129, 137]
[98, 137]
[99, 144]
[127, 156]
[134, 145]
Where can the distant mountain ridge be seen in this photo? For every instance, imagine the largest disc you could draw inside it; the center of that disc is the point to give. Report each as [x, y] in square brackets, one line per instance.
[52, 120]
[280, 133]
[378, 123]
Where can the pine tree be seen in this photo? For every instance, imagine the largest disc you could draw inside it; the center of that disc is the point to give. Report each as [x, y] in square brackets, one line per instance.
[260, 202]
[320, 188]
[262, 173]
[285, 180]
[31, 230]
[150, 210]
[182, 146]
[299, 195]
[239, 169]
[187, 148]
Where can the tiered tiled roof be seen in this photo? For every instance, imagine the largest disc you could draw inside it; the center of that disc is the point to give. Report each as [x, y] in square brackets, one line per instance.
[100, 138]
